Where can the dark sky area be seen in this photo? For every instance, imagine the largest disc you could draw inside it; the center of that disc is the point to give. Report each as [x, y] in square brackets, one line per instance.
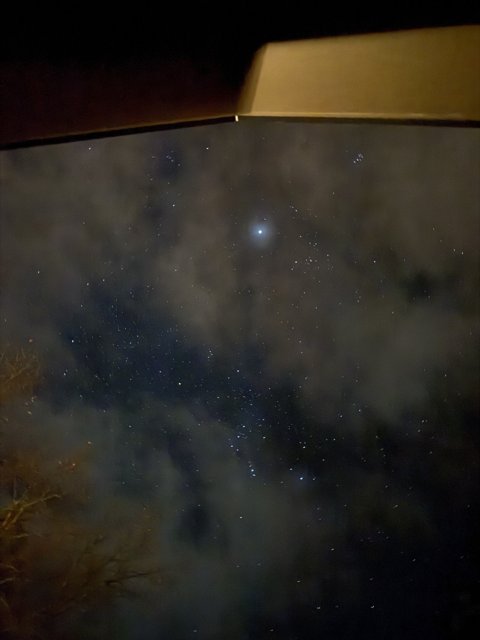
[269, 334]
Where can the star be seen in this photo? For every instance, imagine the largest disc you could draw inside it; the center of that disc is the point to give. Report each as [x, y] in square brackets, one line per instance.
[261, 233]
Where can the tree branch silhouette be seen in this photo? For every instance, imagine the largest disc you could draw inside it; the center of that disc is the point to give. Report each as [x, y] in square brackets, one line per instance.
[53, 561]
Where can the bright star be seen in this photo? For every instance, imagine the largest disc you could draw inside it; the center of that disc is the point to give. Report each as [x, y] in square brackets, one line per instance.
[261, 233]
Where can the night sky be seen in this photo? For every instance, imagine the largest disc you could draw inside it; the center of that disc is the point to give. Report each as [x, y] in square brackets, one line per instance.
[267, 334]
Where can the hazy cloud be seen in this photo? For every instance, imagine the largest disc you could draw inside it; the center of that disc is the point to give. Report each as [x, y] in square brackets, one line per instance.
[130, 266]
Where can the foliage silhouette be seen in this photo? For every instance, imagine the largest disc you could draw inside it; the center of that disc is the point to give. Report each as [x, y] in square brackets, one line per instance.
[56, 563]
